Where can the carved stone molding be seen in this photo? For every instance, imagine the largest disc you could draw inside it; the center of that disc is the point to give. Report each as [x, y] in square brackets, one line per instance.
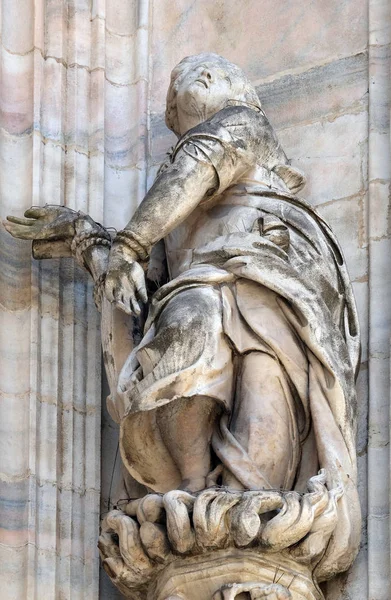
[217, 543]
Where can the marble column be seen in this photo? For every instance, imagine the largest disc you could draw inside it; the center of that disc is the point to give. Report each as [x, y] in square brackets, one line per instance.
[52, 73]
[18, 401]
[379, 241]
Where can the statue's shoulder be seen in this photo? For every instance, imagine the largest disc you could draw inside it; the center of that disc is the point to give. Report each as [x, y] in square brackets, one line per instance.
[237, 117]
[229, 125]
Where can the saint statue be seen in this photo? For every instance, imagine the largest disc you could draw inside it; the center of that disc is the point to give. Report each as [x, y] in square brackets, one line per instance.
[244, 377]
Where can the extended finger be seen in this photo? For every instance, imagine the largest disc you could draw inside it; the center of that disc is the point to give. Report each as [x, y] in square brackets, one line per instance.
[123, 305]
[36, 212]
[122, 299]
[127, 298]
[19, 231]
[139, 283]
[134, 304]
[20, 220]
[142, 291]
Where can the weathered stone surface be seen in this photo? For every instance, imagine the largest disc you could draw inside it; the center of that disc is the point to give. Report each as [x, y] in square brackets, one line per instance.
[218, 533]
[248, 262]
[309, 67]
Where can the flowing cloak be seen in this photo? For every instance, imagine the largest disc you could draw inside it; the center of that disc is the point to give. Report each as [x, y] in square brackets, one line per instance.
[308, 284]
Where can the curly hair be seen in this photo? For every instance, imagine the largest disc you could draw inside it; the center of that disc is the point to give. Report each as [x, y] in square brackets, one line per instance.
[242, 90]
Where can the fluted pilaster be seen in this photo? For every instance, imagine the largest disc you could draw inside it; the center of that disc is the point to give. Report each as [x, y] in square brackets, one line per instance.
[17, 407]
[52, 78]
[379, 175]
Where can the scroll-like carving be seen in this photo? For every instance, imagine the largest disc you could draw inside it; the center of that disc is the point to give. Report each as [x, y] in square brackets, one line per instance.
[179, 529]
[242, 388]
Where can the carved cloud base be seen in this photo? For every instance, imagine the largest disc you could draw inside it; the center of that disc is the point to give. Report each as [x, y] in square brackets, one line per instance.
[220, 544]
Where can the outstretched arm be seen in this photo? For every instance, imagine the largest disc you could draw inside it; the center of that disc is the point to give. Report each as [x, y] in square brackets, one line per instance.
[58, 231]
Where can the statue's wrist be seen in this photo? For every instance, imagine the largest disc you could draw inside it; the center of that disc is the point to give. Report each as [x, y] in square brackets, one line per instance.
[90, 245]
[122, 252]
[132, 244]
[83, 243]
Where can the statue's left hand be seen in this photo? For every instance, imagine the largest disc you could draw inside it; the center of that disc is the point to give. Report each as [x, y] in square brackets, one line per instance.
[43, 223]
[125, 281]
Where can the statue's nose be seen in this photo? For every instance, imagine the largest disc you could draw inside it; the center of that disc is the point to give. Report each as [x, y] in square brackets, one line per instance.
[208, 74]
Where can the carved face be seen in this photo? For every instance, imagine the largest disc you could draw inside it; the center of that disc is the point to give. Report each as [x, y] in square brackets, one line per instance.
[203, 91]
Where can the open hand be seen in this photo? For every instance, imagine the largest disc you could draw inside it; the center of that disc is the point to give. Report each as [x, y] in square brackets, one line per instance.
[43, 223]
[125, 282]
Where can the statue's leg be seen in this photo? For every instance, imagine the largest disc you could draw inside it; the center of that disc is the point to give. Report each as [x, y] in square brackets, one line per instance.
[186, 380]
[186, 426]
[264, 419]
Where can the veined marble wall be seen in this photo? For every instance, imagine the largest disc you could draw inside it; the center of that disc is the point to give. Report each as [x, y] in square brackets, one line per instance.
[52, 78]
[83, 86]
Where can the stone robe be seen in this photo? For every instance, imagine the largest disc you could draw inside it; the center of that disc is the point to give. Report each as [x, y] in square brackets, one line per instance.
[253, 268]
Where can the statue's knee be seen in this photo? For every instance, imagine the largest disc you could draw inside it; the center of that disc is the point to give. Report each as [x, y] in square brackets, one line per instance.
[191, 310]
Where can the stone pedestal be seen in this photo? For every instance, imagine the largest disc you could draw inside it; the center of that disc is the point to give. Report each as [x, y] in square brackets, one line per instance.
[220, 544]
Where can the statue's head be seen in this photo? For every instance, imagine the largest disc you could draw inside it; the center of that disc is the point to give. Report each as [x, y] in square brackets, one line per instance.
[200, 86]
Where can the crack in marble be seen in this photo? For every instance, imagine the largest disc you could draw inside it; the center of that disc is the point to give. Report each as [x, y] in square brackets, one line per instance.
[126, 35]
[30, 476]
[45, 551]
[5, 478]
[297, 71]
[130, 84]
[57, 59]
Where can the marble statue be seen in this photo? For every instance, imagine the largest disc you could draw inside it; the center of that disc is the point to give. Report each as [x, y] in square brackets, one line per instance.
[237, 406]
